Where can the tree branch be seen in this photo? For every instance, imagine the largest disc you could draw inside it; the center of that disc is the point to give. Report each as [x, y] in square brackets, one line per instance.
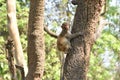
[50, 32]
[100, 28]
[10, 57]
[21, 71]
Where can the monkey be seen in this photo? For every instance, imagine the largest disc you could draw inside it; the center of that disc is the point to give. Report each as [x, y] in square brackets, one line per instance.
[64, 44]
[63, 40]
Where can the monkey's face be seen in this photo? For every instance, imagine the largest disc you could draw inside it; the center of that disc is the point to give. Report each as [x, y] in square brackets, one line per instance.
[65, 26]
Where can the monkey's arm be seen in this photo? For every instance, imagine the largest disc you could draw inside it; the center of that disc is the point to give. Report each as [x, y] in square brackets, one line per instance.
[50, 32]
[71, 36]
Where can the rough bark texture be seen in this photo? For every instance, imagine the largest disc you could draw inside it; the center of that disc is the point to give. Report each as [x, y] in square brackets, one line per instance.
[86, 18]
[36, 54]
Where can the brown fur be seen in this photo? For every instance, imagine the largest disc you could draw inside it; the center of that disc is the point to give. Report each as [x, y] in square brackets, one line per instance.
[63, 40]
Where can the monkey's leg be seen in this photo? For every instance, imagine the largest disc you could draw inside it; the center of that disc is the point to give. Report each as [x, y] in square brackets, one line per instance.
[62, 60]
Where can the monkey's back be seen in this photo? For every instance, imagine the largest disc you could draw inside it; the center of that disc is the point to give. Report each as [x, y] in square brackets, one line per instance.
[63, 44]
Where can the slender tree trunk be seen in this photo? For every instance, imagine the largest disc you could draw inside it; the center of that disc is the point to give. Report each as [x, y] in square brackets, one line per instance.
[36, 50]
[14, 33]
[86, 18]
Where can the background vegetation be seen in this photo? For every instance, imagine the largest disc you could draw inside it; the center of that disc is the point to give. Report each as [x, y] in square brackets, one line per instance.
[105, 55]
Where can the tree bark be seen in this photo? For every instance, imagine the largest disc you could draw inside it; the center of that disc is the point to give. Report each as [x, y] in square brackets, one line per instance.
[86, 18]
[10, 58]
[36, 49]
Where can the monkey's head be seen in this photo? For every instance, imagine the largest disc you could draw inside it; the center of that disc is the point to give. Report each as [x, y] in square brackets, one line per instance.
[65, 26]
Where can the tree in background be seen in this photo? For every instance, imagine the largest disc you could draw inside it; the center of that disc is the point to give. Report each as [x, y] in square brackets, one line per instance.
[13, 31]
[14, 34]
[36, 50]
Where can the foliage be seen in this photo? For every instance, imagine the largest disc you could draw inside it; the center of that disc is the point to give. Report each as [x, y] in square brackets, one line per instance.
[102, 62]
[105, 52]
[52, 65]
[4, 71]
[22, 16]
[3, 33]
[3, 22]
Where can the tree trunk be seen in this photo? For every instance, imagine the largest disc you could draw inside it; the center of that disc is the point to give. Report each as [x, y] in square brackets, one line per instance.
[14, 33]
[36, 50]
[86, 18]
